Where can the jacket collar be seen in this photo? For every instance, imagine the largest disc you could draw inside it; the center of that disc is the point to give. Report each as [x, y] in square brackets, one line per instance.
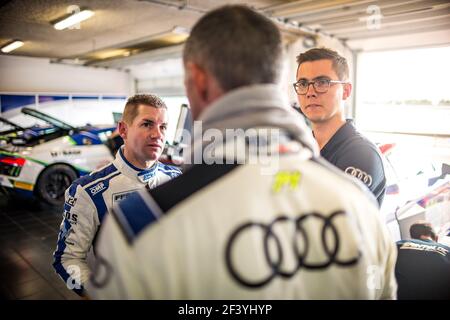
[131, 171]
[254, 106]
[343, 134]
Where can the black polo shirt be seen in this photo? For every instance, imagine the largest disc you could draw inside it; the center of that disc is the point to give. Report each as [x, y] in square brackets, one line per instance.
[354, 154]
[422, 270]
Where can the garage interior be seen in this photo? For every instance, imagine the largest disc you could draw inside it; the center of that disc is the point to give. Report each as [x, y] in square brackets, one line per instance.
[135, 46]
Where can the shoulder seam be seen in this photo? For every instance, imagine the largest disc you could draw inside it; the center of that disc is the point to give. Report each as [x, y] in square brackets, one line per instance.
[90, 178]
[109, 176]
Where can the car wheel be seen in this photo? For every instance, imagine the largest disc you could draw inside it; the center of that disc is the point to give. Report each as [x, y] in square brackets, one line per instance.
[53, 182]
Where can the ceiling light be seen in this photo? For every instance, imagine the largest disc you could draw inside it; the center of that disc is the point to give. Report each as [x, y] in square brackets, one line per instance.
[73, 19]
[309, 42]
[12, 46]
[180, 30]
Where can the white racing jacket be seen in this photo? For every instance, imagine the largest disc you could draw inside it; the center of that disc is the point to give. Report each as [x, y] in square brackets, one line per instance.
[238, 231]
[87, 201]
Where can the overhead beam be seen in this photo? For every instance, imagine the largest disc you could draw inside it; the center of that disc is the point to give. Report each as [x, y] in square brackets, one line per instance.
[425, 22]
[361, 8]
[153, 55]
[316, 7]
[388, 18]
[387, 33]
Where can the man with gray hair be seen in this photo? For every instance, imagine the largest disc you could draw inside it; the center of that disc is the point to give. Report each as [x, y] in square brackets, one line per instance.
[233, 231]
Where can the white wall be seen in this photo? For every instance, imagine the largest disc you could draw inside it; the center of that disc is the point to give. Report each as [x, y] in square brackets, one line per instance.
[162, 77]
[24, 74]
[75, 113]
[415, 40]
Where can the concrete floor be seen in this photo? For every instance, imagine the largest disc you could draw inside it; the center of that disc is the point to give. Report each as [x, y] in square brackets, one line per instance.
[28, 234]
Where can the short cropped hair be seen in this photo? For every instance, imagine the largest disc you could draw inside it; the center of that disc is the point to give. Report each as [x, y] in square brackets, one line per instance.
[421, 228]
[340, 65]
[237, 45]
[132, 106]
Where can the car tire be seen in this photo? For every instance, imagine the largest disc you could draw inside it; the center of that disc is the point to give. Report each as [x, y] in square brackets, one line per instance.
[53, 182]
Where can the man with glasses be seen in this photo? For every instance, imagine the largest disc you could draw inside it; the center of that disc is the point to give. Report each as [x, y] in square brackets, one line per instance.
[322, 87]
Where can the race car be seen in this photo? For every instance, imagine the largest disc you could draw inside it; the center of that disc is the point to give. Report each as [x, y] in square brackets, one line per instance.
[433, 206]
[45, 164]
[9, 127]
[10, 130]
[416, 189]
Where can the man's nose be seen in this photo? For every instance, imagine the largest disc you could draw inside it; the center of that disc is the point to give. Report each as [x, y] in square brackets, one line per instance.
[157, 133]
[311, 92]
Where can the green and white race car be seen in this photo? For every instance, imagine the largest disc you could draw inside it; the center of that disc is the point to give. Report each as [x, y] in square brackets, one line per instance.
[45, 164]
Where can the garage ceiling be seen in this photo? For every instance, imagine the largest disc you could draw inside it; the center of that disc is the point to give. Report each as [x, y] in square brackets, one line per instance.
[122, 30]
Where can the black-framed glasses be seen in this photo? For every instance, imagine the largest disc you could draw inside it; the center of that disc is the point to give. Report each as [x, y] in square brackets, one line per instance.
[320, 85]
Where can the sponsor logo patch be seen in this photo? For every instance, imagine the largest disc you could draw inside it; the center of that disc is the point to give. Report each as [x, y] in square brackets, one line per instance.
[73, 152]
[286, 179]
[71, 201]
[424, 247]
[118, 197]
[97, 188]
[72, 217]
[359, 174]
[146, 176]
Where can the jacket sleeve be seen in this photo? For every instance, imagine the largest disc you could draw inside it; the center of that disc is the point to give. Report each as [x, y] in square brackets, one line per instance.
[77, 231]
[389, 252]
[114, 275]
[365, 163]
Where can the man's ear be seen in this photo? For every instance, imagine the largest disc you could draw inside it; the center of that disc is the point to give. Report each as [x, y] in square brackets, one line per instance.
[347, 91]
[199, 78]
[123, 129]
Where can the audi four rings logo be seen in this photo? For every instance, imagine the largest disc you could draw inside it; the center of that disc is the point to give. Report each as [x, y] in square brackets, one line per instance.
[361, 175]
[275, 263]
[101, 272]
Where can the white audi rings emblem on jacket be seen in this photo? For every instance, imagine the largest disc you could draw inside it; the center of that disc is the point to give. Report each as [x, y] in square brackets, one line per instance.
[275, 261]
[361, 175]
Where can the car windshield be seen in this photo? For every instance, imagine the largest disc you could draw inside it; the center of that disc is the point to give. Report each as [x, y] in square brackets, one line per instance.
[8, 126]
[47, 118]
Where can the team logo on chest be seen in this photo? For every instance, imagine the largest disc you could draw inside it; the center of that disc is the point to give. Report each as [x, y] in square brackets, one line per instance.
[359, 174]
[145, 176]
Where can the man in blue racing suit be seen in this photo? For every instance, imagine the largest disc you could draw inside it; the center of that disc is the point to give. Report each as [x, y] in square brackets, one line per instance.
[89, 198]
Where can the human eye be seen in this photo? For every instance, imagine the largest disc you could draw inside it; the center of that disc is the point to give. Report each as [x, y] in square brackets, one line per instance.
[302, 83]
[322, 83]
[147, 124]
